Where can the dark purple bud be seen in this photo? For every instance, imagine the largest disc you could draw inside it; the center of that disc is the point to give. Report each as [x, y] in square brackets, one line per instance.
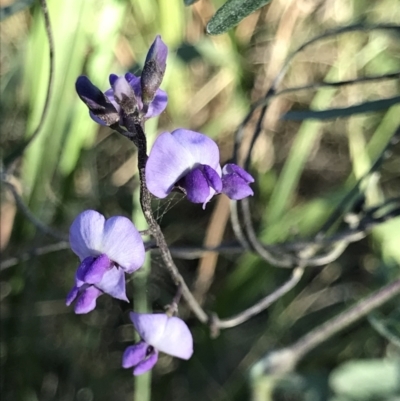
[124, 94]
[96, 101]
[235, 182]
[153, 70]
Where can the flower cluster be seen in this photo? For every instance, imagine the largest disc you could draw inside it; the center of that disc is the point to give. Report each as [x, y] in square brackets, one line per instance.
[130, 97]
[109, 249]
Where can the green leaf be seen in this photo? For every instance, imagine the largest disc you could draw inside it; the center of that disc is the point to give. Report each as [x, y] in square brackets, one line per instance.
[366, 107]
[231, 13]
[190, 2]
[366, 379]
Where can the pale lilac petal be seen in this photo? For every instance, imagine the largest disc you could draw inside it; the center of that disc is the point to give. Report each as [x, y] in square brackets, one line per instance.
[86, 233]
[150, 326]
[176, 340]
[134, 354]
[196, 185]
[124, 95]
[122, 88]
[166, 334]
[93, 271]
[86, 301]
[202, 148]
[147, 364]
[123, 244]
[231, 168]
[113, 283]
[235, 187]
[167, 163]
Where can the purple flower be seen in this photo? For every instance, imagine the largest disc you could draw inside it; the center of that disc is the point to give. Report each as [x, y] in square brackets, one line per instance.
[190, 161]
[158, 332]
[107, 249]
[129, 94]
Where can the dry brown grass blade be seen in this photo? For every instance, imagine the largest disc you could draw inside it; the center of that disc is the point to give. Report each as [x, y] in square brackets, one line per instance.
[214, 234]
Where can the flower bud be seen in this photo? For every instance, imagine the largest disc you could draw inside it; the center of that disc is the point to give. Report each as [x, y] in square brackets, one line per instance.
[101, 109]
[153, 70]
[124, 94]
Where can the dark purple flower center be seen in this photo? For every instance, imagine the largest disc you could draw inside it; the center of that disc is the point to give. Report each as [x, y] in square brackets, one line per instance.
[198, 182]
[141, 356]
[92, 269]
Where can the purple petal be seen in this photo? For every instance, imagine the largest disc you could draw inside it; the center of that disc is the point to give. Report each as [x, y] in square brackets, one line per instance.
[112, 78]
[133, 80]
[83, 268]
[113, 283]
[123, 244]
[196, 185]
[167, 163]
[167, 334]
[86, 233]
[158, 51]
[92, 270]
[134, 354]
[235, 187]
[147, 364]
[213, 178]
[72, 295]
[231, 168]
[158, 104]
[86, 301]
[202, 149]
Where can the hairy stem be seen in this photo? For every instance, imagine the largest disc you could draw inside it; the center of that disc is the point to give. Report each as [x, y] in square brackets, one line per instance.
[145, 202]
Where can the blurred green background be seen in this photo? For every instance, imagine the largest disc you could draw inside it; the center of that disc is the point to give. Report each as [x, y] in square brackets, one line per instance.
[302, 170]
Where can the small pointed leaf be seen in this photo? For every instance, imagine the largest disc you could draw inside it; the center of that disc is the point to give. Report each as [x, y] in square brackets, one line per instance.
[231, 13]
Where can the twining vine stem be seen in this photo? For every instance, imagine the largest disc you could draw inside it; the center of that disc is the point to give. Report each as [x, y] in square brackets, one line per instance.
[286, 359]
